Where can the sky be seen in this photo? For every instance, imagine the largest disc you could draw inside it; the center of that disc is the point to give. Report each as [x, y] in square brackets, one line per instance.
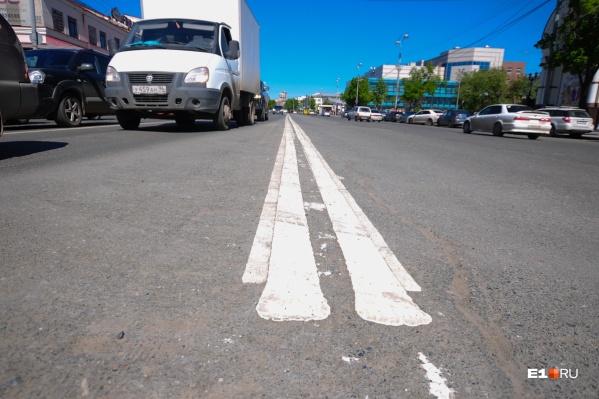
[307, 46]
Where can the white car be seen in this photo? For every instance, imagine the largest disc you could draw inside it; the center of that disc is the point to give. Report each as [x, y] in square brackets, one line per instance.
[359, 114]
[509, 118]
[376, 115]
[570, 120]
[426, 117]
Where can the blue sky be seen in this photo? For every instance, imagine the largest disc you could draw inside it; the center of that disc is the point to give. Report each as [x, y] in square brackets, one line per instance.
[306, 46]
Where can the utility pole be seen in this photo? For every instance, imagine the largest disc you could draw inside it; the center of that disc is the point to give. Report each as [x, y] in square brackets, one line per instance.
[33, 36]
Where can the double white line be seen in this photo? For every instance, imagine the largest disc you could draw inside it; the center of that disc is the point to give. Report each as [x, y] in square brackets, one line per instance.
[282, 254]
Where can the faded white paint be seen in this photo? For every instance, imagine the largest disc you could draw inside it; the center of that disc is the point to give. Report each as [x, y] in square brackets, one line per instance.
[438, 386]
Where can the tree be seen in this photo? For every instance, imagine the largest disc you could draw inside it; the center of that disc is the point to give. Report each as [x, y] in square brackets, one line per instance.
[292, 103]
[271, 104]
[349, 95]
[489, 86]
[574, 44]
[421, 81]
[379, 93]
[312, 104]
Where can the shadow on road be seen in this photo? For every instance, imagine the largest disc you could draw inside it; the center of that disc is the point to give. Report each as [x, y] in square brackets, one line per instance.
[12, 149]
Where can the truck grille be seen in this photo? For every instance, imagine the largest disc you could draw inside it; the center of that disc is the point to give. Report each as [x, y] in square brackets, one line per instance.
[141, 99]
[157, 78]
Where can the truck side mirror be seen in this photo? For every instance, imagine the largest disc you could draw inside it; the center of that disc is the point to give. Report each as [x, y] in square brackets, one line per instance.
[233, 52]
[112, 47]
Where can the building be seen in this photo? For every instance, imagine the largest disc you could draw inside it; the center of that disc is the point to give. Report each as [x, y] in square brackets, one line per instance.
[65, 23]
[514, 70]
[462, 60]
[558, 88]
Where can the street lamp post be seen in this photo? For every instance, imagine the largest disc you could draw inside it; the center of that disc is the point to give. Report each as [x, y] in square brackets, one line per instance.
[358, 83]
[405, 36]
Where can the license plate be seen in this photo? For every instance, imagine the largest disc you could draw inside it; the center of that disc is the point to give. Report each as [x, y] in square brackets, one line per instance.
[581, 122]
[148, 89]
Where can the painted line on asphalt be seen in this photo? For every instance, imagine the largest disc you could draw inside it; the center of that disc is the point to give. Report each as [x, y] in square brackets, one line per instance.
[256, 269]
[380, 293]
[438, 386]
[292, 290]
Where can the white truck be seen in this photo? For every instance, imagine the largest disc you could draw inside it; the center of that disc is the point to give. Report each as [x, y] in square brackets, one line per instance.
[185, 61]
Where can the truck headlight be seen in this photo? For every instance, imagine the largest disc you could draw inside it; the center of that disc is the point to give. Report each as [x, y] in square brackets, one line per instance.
[198, 75]
[112, 75]
[37, 76]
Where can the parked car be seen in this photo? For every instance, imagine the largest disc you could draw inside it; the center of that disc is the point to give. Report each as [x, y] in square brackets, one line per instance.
[405, 116]
[277, 110]
[359, 113]
[375, 115]
[70, 84]
[509, 118]
[262, 104]
[426, 117]
[18, 97]
[392, 116]
[574, 121]
[326, 112]
[453, 117]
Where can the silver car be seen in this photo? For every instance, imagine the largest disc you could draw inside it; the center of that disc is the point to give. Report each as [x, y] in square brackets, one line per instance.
[426, 117]
[359, 114]
[574, 121]
[511, 119]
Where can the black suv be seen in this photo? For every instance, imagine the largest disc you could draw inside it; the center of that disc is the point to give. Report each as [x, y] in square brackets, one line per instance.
[18, 97]
[262, 105]
[71, 84]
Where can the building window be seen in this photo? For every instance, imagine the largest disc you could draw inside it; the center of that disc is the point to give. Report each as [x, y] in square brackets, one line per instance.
[118, 42]
[509, 70]
[518, 71]
[58, 20]
[102, 39]
[73, 27]
[93, 37]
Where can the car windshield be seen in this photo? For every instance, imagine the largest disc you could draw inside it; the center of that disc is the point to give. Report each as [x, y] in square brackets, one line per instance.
[518, 108]
[167, 33]
[48, 59]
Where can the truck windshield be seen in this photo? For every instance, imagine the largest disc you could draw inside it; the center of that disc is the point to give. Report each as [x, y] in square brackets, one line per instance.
[167, 33]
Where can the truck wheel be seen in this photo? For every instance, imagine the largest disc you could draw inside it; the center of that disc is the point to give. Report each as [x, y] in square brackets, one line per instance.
[69, 113]
[222, 117]
[248, 114]
[128, 120]
[238, 116]
[262, 115]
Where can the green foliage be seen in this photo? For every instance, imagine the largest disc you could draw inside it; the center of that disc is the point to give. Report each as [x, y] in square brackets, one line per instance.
[489, 86]
[364, 93]
[312, 104]
[574, 44]
[379, 93]
[292, 103]
[421, 81]
[271, 104]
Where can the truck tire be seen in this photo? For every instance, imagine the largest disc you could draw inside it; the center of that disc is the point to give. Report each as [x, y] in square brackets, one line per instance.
[128, 120]
[248, 114]
[69, 112]
[223, 116]
[238, 116]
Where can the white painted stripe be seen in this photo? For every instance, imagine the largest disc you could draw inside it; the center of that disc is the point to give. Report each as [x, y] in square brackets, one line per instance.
[256, 269]
[438, 386]
[292, 291]
[380, 297]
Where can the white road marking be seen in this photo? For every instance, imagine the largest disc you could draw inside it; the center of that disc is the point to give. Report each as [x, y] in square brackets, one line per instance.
[292, 291]
[380, 293]
[256, 270]
[438, 386]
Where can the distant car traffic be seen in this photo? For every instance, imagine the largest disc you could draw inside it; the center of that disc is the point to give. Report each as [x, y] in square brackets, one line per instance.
[278, 109]
[375, 115]
[70, 84]
[326, 113]
[453, 117]
[392, 116]
[425, 117]
[405, 116]
[500, 119]
[18, 97]
[359, 114]
[570, 120]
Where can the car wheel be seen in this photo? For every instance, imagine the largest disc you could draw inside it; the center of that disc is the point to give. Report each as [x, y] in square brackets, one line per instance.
[69, 113]
[128, 120]
[553, 132]
[356, 119]
[533, 136]
[497, 130]
[429, 122]
[450, 124]
[248, 114]
[466, 128]
[223, 116]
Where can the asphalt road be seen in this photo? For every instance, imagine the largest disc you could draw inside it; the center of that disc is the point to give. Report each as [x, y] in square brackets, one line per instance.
[401, 262]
